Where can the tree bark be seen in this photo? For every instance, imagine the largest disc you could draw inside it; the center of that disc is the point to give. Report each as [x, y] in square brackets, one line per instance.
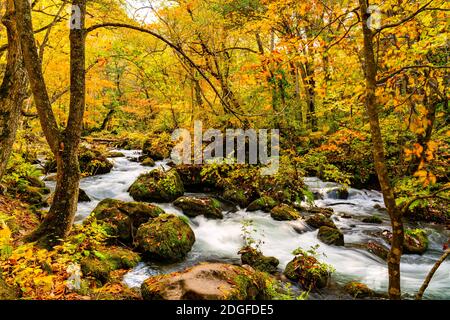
[13, 89]
[370, 73]
[58, 222]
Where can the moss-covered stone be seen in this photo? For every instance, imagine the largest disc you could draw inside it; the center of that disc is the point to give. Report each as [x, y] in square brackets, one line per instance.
[284, 212]
[358, 290]
[378, 249]
[327, 212]
[264, 203]
[166, 238]
[148, 162]
[331, 236]
[195, 206]
[208, 281]
[115, 154]
[157, 186]
[416, 241]
[258, 261]
[319, 220]
[308, 272]
[121, 218]
[82, 196]
[373, 220]
[102, 262]
[238, 196]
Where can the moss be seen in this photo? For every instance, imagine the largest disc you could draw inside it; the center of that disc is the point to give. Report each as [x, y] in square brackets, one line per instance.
[157, 186]
[148, 162]
[331, 236]
[308, 271]
[195, 206]
[264, 203]
[373, 219]
[258, 261]
[416, 241]
[319, 220]
[238, 196]
[284, 212]
[166, 238]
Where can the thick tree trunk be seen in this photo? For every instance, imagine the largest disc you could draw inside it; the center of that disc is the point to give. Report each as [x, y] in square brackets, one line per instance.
[370, 72]
[58, 222]
[13, 89]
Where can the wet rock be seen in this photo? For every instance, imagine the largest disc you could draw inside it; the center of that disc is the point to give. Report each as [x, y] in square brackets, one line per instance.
[100, 264]
[115, 154]
[258, 261]
[345, 215]
[264, 204]
[121, 218]
[319, 220]
[167, 238]
[358, 290]
[378, 249]
[148, 162]
[416, 241]
[191, 176]
[157, 186]
[308, 272]
[195, 206]
[238, 196]
[328, 212]
[82, 196]
[208, 281]
[373, 220]
[284, 212]
[331, 236]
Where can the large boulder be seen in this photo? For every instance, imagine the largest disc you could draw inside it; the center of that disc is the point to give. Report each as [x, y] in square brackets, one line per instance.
[264, 203]
[167, 238]
[284, 212]
[331, 236]
[308, 271]
[208, 281]
[99, 264]
[157, 186]
[121, 218]
[196, 206]
[258, 261]
[319, 220]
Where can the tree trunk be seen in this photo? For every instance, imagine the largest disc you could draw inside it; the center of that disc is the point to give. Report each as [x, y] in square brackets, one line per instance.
[370, 73]
[13, 89]
[58, 222]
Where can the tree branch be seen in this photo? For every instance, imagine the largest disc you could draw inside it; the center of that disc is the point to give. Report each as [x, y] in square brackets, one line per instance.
[431, 274]
[386, 78]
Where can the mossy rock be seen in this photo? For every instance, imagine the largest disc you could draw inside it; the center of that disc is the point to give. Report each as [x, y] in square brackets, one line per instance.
[82, 196]
[264, 203]
[416, 241]
[358, 290]
[157, 186]
[331, 236]
[207, 281]
[100, 263]
[284, 212]
[115, 154]
[258, 261]
[166, 238]
[327, 212]
[319, 220]
[238, 196]
[148, 162]
[121, 218]
[195, 206]
[308, 272]
[378, 249]
[373, 220]
[191, 176]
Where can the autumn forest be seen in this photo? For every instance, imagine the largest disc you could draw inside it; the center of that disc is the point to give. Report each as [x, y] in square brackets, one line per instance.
[315, 150]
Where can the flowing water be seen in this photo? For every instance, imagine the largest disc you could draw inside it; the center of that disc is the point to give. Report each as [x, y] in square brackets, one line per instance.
[220, 240]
